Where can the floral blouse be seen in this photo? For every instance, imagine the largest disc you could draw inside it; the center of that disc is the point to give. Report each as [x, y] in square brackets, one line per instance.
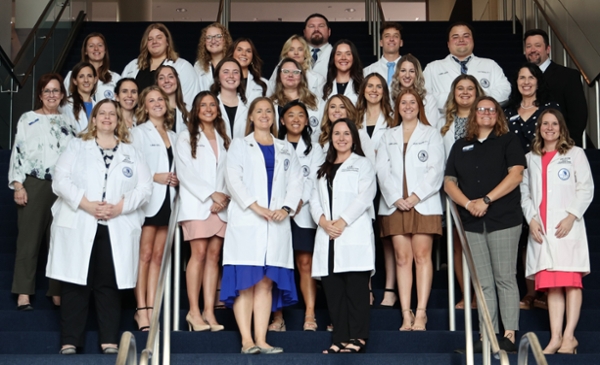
[525, 129]
[39, 142]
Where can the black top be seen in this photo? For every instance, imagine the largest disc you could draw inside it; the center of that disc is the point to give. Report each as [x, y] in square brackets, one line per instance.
[341, 88]
[145, 78]
[479, 167]
[231, 111]
[370, 129]
[330, 178]
[244, 82]
[525, 129]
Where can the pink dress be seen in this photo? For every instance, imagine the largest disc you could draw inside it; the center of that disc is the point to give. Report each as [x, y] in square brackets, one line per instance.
[212, 226]
[545, 279]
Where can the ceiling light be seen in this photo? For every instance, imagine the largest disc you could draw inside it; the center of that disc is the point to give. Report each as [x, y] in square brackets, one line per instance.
[350, 10]
[181, 10]
[417, 18]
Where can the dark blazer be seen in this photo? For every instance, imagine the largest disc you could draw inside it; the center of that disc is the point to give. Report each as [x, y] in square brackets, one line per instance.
[566, 89]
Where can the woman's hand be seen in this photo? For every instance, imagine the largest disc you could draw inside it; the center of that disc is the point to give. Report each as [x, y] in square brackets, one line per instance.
[216, 207]
[163, 178]
[535, 229]
[340, 224]
[412, 200]
[173, 180]
[220, 199]
[20, 194]
[92, 208]
[402, 204]
[329, 227]
[263, 212]
[279, 215]
[110, 211]
[300, 204]
[564, 226]
[477, 208]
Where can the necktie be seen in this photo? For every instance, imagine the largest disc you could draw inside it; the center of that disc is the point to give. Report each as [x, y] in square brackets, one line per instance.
[314, 54]
[391, 66]
[463, 64]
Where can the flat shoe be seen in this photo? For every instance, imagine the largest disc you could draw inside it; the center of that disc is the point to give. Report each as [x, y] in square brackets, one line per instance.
[271, 350]
[110, 350]
[527, 302]
[251, 350]
[25, 307]
[68, 351]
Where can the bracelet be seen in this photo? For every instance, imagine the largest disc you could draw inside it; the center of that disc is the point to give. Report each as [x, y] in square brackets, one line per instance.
[466, 205]
[19, 189]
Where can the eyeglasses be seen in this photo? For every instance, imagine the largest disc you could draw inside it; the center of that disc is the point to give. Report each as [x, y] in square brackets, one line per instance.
[285, 71]
[216, 37]
[484, 110]
[50, 92]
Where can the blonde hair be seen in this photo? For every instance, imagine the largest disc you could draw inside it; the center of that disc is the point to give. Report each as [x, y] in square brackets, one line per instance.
[144, 57]
[500, 128]
[419, 83]
[141, 114]
[451, 107]
[326, 123]
[564, 143]
[250, 125]
[203, 56]
[121, 131]
[307, 64]
[304, 95]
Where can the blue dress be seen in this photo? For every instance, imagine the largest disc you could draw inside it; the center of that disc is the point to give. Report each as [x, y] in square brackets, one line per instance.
[241, 277]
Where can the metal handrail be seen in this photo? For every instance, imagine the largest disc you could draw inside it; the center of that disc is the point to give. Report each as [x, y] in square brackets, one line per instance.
[69, 43]
[374, 15]
[531, 340]
[481, 303]
[31, 35]
[8, 65]
[129, 356]
[220, 11]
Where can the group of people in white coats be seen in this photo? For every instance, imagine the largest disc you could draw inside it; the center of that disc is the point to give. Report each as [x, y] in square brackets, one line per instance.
[302, 170]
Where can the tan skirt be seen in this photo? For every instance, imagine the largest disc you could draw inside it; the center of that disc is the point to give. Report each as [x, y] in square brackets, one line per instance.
[409, 222]
[197, 229]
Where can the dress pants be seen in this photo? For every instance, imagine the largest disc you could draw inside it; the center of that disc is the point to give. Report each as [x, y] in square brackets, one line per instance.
[76, 298]
[33, 222]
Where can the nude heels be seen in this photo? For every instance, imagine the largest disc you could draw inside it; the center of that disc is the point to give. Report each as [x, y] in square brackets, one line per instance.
[196, 327]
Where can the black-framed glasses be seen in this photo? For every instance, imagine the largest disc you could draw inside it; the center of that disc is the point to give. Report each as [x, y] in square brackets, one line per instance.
[216, 37]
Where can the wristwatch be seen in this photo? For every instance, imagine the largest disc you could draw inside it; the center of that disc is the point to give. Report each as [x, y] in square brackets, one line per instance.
[287, 209]
[487, 200]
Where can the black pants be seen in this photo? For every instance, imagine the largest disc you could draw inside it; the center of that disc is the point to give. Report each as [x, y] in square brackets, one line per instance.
[76, 298]
[348, 301]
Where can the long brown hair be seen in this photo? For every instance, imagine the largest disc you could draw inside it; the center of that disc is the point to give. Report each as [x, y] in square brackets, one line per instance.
[141, 114]
[180, 104]
[327, 166]
[195, 123]
[500, 127]
[564, 143]
[255, 67]
[78, 104]
[121, 131]
[451, 107]
[421, 116]
[384, 104]
[216, 86]
[104, 74]
[356, 70]
[203, 56]
[305, 96]
[326, 123]
[144, 57]
[250, 124]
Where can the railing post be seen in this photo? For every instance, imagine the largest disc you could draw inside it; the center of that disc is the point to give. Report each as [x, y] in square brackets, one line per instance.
[597, 98]
[176, 279]
[505, 10]
[536, 16]
[514, 16]
[524, 15]
[486, 354]
[468, 313]
[450, 253]
[166, 349]
[368, 14]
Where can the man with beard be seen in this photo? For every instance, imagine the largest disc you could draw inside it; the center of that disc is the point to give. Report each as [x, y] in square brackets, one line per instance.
[317, 33]
[391, 41]
[564, 83]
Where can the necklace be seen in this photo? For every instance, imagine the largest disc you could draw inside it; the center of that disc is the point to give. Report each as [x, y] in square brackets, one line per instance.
[527, 107]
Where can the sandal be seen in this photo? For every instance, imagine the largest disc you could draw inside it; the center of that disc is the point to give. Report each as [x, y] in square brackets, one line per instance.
[332, 350]
[385, 306]
[277, 326]
[219, 304]
[527, 302]
[407, 328]
[358, 347]
[420, 328]
[142, 328]
[310, 325]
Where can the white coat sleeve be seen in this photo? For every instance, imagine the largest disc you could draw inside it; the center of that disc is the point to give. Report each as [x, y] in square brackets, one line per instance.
[234, 174]
[431, 183]
[188, 175]
[429, 76]
[62, 183]
[295, 185]
[190, 85]
[367, 188]
[140, 195]
[316, 161]
[527, 204]
[390, 192]
[585, 184]
[501, 85]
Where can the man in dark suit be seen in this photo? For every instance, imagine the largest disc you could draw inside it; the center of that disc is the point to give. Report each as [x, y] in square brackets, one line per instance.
[564, 83]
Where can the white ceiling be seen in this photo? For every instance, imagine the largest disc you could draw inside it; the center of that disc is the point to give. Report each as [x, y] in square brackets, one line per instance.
[293, 11]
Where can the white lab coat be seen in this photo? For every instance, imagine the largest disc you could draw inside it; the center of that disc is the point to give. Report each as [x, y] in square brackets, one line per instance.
[365, 143]
[349, 92]
[354, 188]
[187, 77]
[180, 125]
[448, 138]
[81, 124]
[254, 90]
[380, 67]
[570, 189]
[250, 239]
[309, 164]
[146, 138]
[440, 74]
[103, 91]
[378, 132]
[314, 119]
[80, 172]
[322, 63]
[241, 116]
[424, 167]
[199, 177]
[314, 80]
[205, 78]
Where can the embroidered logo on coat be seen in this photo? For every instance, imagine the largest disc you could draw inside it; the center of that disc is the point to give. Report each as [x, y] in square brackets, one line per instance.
[485, 83]
[127, 171]
[314, 122]
[564, 174]
[286, 164]
[305, 170]
[423, 156]
[108, 94]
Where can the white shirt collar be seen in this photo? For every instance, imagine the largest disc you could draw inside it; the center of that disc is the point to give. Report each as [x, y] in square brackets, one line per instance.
[384, 61]
[545, 65]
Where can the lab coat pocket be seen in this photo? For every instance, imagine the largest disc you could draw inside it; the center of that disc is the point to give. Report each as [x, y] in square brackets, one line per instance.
[63, 214]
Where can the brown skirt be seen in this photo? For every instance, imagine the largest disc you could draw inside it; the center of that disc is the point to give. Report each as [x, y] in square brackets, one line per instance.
[409, 222]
